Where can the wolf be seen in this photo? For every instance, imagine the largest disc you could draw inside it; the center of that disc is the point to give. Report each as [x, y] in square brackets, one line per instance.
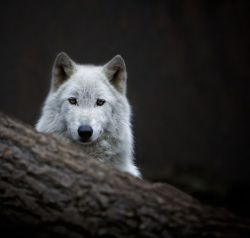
[88, 105]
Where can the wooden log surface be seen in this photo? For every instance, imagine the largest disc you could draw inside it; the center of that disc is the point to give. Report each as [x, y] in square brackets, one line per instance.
[50, 188]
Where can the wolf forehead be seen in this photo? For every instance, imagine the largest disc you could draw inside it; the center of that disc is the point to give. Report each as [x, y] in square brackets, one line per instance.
[88, 82]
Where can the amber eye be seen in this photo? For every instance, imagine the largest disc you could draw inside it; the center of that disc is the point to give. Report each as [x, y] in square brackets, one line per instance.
[72, 101]
[100, 102]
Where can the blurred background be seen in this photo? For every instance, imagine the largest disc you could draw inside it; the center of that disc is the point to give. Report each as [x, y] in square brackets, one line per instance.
[188, 68]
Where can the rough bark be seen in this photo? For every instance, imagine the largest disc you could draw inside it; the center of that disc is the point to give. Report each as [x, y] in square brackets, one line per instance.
[50, 188]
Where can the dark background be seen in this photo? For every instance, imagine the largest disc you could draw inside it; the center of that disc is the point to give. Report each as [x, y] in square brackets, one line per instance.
[188, 67]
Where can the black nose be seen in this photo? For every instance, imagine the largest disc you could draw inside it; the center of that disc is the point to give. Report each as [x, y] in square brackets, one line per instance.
[85, 132]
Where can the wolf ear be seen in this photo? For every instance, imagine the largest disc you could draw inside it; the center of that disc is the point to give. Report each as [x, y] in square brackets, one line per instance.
[115, 71]
[63, 68]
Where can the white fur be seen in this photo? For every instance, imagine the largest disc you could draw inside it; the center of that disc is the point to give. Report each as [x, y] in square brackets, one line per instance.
[112, 140]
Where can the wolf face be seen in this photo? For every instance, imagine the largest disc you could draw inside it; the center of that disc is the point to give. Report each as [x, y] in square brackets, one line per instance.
[88, 105]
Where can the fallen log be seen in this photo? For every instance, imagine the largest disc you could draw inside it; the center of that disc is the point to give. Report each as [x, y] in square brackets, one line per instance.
[50, 188]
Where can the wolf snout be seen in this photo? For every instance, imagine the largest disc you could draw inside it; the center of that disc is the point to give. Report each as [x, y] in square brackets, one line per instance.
[85, 132]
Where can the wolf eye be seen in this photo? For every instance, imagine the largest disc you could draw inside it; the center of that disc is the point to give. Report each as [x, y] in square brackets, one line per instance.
[100, 102]
[72, 101]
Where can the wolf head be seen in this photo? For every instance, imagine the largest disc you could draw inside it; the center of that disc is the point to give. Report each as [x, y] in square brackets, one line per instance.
[88, 105]
[86, 102]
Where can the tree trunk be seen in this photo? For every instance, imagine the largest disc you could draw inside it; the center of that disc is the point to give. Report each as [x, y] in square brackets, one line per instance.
[50, 188]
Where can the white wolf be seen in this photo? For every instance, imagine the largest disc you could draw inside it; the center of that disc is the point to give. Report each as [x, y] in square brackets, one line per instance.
[88, 105]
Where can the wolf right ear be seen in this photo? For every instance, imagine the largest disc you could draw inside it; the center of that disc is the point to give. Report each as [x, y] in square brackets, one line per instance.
[115, 70]
[63, 68]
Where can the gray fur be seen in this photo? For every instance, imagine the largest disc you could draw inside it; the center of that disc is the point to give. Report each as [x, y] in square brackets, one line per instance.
[112, 140]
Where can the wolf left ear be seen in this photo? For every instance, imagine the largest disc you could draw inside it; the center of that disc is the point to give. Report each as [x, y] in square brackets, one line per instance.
[115, 71]
[63, 68]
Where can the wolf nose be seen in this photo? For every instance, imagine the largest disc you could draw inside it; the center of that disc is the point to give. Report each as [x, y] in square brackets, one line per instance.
[85, 132]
